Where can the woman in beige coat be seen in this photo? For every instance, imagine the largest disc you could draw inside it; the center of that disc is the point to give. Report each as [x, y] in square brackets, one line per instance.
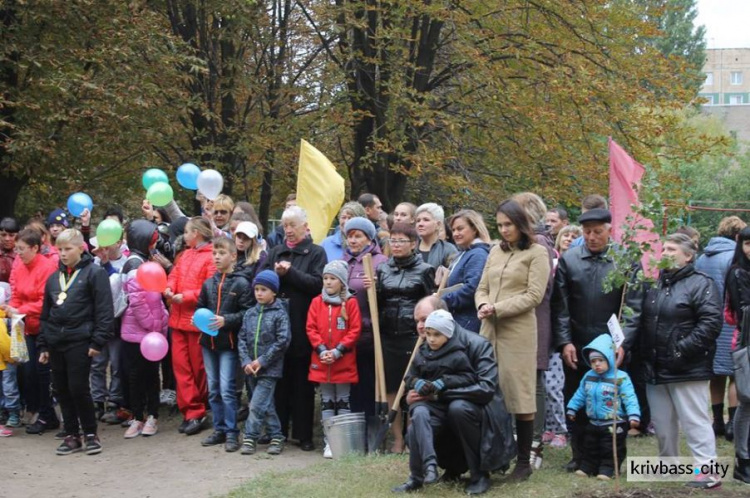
[513, 284]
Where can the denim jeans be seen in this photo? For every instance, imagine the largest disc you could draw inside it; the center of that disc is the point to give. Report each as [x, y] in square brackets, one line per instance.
[110, 354]
[262, 409]
[10, 400]
[221, 371]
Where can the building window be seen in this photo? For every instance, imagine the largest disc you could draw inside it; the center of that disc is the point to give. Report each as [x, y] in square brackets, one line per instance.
[736, 99]
[709, 79]
[709, 98]
[736, 78]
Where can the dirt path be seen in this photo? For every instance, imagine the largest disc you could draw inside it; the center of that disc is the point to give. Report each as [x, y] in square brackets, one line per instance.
[166, 465]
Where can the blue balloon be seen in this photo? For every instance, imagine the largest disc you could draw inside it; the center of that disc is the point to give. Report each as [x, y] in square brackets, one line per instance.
[79, 202]
[202, 319]
[187, 176]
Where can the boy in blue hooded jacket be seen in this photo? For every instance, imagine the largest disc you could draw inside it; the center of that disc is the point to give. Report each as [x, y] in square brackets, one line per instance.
[597, 394]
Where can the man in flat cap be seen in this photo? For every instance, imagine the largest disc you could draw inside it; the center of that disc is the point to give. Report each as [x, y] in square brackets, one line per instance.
[581, 308]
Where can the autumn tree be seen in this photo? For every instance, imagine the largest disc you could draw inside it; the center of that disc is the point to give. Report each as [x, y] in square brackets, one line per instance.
[87, 93]
[487, 98]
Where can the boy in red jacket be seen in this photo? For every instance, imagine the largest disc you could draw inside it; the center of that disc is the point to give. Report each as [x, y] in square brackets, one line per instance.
[333, 327]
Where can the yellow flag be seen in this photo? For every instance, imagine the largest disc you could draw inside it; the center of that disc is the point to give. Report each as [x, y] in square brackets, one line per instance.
[320, 190]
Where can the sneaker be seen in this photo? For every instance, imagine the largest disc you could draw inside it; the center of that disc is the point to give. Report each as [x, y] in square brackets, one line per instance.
[704, 482]
[40, 426]
[276, 446]
[117, 416]
[135, 430]
[71, 444]
[603, 477]
[195, 426]
[559, 441]
[547, 437]
[60, 435]
[14, 420]
[232, 443]
[168, 397]
[580, 473]
[535, 459]
[264, 439]
[181, 427]
[5, 432]
[151, 426]
[249, 446]
[93, 445]
[215, 438]
[99, 410]
[327, 453]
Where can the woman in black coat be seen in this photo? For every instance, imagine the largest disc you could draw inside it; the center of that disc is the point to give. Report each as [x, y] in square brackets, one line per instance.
[680, 321]
[401, 283]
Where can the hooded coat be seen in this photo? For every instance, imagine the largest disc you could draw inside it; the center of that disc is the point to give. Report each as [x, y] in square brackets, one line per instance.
[27, 283]
[596, 393]
[86, 315]
[146, 311]
[327, 329]
[715, 262]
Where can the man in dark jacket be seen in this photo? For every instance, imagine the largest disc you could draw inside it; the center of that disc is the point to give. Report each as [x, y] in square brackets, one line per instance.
[76, 323]
[580, 309]
[478, 436]
[299, 264]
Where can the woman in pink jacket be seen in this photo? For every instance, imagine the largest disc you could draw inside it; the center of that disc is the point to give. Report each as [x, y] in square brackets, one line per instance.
[191, 269]
[145, 313]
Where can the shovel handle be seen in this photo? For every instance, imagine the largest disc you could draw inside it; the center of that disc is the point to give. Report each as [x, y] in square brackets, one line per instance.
[372, 299]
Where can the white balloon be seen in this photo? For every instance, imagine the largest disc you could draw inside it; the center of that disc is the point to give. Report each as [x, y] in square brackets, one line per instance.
[210, 183]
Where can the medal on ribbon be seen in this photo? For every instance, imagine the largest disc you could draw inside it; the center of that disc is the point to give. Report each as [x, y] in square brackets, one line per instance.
[64, 286]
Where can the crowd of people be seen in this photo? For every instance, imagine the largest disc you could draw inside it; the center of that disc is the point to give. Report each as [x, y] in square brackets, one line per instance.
[514, 334]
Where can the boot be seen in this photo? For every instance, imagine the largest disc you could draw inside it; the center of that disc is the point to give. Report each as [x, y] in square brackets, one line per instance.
[718, 410]
[742, 470]
[729, 430]
[525, 433]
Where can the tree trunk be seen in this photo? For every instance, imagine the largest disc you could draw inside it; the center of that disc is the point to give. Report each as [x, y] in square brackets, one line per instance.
[10, 186]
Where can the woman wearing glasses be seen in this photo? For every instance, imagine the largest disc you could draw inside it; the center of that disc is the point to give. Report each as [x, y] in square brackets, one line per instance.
[401, 283]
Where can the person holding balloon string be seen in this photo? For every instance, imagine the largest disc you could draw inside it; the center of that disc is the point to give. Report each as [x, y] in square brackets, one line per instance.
[191, 269]
[229, 295]
[145, 314]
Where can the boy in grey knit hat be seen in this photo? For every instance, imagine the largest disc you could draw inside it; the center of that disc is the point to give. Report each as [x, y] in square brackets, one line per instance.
[440, 364]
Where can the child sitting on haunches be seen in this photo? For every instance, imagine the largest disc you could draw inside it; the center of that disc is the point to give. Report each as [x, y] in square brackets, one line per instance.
[440, 363]
[597, 393]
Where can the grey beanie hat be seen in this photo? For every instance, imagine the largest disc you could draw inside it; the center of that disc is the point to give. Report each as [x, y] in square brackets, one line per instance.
[362, 224]
[338, 269]
[442, 321]
[593, 355]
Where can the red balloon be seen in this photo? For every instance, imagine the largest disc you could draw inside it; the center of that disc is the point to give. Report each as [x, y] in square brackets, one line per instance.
[152, 277]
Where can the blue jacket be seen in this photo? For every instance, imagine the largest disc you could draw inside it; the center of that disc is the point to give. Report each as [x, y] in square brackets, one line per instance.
[265, 336]
[334, 246]
[466, 269]
[596, 392]
[715, 262]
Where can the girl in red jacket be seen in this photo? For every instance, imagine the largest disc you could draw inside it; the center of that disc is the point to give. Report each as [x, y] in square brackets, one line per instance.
[193, 267]
[333, 327]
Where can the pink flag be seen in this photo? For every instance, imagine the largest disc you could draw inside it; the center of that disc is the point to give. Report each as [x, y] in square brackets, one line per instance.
[625, 175]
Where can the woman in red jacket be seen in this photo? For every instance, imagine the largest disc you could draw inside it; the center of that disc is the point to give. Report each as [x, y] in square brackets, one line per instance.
[194, 266]
[333, 326]
[27, 280]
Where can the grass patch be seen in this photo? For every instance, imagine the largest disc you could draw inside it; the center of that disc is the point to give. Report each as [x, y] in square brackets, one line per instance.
[376, 475]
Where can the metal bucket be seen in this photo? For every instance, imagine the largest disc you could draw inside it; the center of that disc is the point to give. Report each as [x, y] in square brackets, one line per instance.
[346, 434]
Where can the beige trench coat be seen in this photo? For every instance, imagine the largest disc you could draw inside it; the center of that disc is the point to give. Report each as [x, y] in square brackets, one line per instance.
[515, 282]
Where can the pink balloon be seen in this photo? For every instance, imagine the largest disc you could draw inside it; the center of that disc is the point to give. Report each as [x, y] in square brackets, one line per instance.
[154, 346]
[152, 277]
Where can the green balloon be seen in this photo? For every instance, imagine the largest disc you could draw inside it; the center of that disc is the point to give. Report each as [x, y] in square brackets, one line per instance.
[153, 176]
[108, 232]
[160, 194]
